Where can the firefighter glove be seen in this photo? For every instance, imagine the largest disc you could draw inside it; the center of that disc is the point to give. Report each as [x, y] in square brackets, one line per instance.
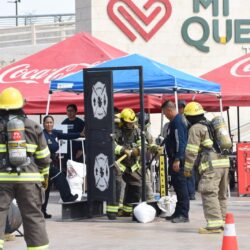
[135, 152]
[187, 173]
[45, 183]
[127, 152]
[155, 149]
[160, 150]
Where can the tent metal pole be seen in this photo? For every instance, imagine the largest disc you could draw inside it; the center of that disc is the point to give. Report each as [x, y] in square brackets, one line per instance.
[161, 127]
[48, 103]
[176, 99]
[228, 122]
[161, 132]
[238, 122]
[143, 156]
[221, 106]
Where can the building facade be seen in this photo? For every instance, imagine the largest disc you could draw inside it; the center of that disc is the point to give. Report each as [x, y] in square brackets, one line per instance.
[195, 36]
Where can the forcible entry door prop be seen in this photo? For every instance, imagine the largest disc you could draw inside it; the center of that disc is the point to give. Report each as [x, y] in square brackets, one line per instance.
[99, 120]
[99, 132]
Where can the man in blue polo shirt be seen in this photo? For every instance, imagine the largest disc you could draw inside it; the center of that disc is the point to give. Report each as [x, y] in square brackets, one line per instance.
[176, 141]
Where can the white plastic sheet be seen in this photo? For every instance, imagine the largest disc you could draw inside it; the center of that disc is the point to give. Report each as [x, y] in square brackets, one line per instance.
[76, 173]
[167, 205]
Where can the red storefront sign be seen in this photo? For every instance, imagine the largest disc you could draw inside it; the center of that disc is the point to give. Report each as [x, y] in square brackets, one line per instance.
[243, 162]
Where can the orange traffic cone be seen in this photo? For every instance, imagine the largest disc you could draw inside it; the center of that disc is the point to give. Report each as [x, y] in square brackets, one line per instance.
[229, 238]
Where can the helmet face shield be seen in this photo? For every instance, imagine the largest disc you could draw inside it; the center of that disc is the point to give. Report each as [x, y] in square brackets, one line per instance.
[11, 98]
[129, 125]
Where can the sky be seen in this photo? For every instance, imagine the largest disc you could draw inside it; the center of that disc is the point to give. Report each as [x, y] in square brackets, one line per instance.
[35, 7]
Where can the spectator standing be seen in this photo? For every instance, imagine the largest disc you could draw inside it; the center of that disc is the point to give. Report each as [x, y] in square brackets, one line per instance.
[75, 125]
[176, 141]
[55, 176]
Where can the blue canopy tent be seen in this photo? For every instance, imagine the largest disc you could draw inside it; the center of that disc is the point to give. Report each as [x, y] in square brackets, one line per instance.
[158, 79]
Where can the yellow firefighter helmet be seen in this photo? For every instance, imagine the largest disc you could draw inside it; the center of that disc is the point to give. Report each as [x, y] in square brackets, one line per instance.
[193, 108]
[128, 115]
[11, 98]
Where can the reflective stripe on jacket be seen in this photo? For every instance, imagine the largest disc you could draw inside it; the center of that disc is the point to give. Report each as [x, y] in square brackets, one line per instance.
[127, 139]
[37, 151]
[199, 150]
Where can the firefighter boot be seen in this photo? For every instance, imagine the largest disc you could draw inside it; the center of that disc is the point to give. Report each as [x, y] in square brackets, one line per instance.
[111, 216]
[9, 237]
[204, 230]
[122, 213]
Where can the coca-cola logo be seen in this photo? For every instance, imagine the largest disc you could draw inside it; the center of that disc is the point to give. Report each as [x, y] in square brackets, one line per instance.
[23, 73]
[145, 20]
[241, 68]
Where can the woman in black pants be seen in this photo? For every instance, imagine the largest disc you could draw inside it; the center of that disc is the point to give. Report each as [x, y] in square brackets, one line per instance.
[55, 176]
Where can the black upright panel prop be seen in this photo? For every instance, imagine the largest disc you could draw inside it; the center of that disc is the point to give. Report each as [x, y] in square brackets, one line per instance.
[99, 119]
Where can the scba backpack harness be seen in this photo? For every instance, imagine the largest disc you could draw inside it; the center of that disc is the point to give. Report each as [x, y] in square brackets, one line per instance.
[219, 134]
[13, 136]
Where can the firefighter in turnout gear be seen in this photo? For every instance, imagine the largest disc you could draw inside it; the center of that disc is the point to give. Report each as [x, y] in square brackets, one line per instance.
[213, 168]
[153, 149]
[24, 169]
[127, 136]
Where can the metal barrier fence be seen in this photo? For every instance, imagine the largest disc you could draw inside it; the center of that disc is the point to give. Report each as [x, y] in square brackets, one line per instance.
[36, 34]
[24, 20]
[36, 29]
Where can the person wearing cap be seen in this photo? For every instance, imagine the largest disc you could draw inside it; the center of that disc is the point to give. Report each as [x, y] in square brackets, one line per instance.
[213, 168]
[190, 180]
[24, 169]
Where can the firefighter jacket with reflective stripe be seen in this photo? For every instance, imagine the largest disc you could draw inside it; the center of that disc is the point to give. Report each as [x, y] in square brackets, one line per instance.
[37, 152]
[200, 152]
[127, 139]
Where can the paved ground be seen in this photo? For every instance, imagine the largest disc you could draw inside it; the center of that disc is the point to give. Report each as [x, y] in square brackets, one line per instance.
[101, 234]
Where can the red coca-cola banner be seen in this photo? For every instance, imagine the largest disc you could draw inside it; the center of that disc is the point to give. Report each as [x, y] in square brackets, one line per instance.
[243, 167]
[234, 78]
[33, 74]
